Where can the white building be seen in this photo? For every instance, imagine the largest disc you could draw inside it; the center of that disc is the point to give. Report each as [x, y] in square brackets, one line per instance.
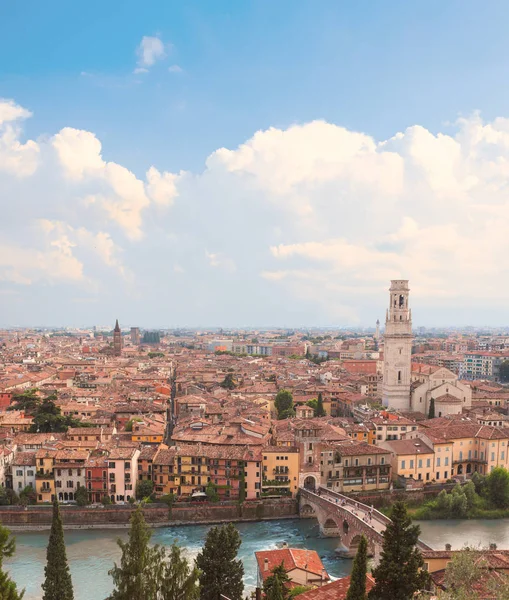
[398, 348]
[450, 395]
[23, 471]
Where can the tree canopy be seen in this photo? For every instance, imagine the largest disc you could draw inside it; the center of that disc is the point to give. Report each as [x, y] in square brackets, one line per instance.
[57, 583]
[400, 574]
[284, 404]
[221, 572]
[8, 588]
[357, 588]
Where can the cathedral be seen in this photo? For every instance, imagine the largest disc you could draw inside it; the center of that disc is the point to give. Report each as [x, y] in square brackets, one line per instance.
[412, 387]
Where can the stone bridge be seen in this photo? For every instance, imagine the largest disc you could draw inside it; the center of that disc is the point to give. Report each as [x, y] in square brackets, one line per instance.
[344, 518]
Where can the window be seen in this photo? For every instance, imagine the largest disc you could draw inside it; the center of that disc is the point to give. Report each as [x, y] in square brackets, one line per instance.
[412, 464]
[399, 376]
[403, 464]
[438, 460]
[428, 462]
[420, 463]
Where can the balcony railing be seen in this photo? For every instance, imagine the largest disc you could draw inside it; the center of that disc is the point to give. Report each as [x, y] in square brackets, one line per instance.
[274, 483]
[41, 475]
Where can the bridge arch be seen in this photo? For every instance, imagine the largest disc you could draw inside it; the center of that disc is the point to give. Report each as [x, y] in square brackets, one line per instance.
[330, 524]
[306, 510]
[346, 526]
[310, 483]
[354, 544]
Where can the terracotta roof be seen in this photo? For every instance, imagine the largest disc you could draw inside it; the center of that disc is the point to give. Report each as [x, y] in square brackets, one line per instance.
[336, 590]
[292, 558]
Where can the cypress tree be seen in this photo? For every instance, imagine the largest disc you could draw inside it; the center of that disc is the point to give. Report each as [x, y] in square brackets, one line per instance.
[431, 413]
[8, 589]
[141, 567]
[221, 571]
[357, 589]
[57, 576]
[320, 411]
[179, 582]
[274, 586]
[400, 572]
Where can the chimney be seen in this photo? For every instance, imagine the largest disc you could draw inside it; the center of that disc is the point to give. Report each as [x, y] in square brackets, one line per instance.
[285, 545]
[448, 547]
[266, 564]
[493, 546]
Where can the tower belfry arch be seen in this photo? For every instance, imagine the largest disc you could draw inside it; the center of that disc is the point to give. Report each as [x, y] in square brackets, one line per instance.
[398, 347]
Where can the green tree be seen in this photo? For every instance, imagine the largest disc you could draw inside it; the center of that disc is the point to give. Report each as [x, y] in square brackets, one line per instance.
[131, 422]
[211, 491]
[180, 581]
[503, 371]
[431, 413]
[228, 382]
[28, 496]
[320, 411]
[465, 568]
[138, 577]
[399, 574]
[297, 590]
[48, 418]
[283, 404]
[313, 403]
[357, 588]
[444, 502]
[221, 571]
[81, 496]
[8, 588]
[479, 482]
[497, 487]
[274, 587]
[144, 488]
[469, 490]
[57, 583]
[459, 505]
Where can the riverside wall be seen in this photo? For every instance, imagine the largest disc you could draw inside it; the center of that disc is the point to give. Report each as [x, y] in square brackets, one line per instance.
[157, 515]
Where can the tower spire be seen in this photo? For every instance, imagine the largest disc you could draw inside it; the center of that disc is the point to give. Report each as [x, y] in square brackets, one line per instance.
[398, 347]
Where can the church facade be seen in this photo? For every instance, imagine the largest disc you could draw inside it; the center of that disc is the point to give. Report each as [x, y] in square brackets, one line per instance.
[411, 387]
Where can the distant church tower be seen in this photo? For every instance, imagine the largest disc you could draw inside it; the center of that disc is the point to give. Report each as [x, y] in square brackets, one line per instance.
[398, 348]
[117, 340]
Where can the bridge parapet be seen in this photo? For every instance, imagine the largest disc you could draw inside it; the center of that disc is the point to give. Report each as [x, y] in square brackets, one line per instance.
[341, 516]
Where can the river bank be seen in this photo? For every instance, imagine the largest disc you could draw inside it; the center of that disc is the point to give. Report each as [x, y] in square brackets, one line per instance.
[38, 517]
[92, 553]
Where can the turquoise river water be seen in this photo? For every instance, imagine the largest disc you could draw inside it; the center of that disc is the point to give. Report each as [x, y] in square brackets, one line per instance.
[91, 553]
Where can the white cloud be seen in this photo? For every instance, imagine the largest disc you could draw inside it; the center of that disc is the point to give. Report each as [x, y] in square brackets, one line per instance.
[175, 69]
[314, 213]
[150, 50]
[219, 260]
[15, 157]
[161, 187]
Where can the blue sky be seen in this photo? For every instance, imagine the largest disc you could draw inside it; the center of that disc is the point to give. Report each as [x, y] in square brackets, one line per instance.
[224, 71]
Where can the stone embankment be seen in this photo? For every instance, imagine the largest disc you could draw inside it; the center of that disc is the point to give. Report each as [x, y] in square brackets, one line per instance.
[158, 515]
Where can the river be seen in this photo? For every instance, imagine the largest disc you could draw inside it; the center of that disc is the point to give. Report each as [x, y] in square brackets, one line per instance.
[92, 552]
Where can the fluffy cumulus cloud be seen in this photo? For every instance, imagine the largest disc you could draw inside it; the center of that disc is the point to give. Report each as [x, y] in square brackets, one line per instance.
[302, 225]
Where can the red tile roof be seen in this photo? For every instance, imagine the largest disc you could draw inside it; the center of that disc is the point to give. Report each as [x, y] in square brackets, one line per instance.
[336, 590]
[292, 558]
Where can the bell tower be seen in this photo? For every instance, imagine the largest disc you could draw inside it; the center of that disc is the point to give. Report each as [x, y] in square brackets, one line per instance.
[117, 340]
[398, 348]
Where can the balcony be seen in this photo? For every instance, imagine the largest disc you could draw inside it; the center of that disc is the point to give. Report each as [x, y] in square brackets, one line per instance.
[274, 483]
[42, 475]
